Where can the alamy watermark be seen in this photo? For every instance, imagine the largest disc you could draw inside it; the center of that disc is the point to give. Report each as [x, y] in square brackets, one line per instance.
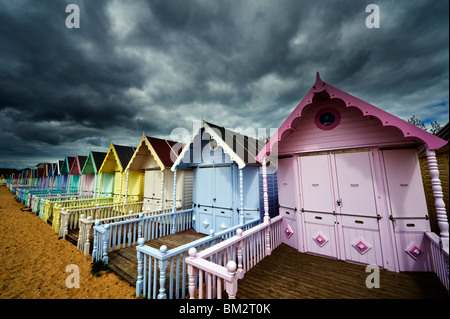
[373, 19]
[73, 280]
[373, 280]
[73, 19]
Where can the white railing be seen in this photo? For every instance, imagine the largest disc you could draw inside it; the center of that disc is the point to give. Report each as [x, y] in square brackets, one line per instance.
[439, 258]
[114, 236]
[86, 224]
[221, 265]
[162, 273]
[70, 218]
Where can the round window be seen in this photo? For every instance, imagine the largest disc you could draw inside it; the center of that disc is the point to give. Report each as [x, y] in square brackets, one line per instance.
[213, 146]
[327, 119]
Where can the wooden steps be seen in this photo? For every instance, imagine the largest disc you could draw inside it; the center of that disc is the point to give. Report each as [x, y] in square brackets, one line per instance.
[123, 262]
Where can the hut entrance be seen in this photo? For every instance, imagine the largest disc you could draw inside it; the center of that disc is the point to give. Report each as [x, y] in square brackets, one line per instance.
[214, 201]
[339, 208]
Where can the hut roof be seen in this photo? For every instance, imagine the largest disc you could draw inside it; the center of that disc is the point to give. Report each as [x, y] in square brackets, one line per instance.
[241, 148]
[408, 130]
[117, 155]
[163, 151]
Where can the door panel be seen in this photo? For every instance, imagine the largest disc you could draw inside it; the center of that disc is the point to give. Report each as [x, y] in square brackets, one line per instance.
[152, 190]
[205, 221]
[408, 208]
[222, 187]
[347, 230]
[204, 183]
[290, 228]
[357, 213]
[286, 183]
[222, 219]
[317, 200]
[354, 179]
[316, 184]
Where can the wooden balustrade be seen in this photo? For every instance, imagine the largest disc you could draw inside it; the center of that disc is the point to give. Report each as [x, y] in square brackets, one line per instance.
[439, 258]
[86, 224]
[154, 265]
[223, 264]
[113, 236]
[73, 203]
[70, 218]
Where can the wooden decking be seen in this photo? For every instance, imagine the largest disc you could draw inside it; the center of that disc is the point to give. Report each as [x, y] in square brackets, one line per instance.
[288, 274]
[123, 262]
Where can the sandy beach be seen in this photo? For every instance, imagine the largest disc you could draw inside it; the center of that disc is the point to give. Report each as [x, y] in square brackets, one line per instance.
[33, 261]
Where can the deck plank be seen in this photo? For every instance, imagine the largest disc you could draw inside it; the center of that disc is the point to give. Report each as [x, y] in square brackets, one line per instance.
[287, 273]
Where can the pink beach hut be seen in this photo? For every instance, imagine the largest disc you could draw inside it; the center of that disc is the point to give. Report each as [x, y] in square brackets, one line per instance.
[349, 182]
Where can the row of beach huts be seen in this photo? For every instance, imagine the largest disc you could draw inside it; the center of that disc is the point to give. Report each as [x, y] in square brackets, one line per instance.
[340, 178]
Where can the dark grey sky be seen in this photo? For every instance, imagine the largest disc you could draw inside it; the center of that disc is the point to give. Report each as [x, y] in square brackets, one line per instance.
[154, 66]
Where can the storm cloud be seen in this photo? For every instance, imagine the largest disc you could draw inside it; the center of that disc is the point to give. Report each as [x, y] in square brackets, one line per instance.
[154, 66]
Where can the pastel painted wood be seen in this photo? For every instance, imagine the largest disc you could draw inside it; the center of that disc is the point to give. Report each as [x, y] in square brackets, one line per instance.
[90, 173]
[151, 179]
[113, 177]
[226, 177]
[350, 170]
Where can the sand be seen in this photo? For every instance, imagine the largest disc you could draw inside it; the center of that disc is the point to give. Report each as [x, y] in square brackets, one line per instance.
[33, 261]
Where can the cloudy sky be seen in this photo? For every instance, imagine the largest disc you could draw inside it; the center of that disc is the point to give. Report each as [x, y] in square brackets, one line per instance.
[154, 66]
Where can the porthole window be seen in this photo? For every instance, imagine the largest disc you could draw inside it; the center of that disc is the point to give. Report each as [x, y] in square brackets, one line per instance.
[327, 119]
[213, 146]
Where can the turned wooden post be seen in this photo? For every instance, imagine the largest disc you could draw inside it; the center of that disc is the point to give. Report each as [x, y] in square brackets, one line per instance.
[268, 249]
[192, 272]
[162, 273]
[105, 244]
[141, 222]
[241, 197]
[231, 287]
[140, 277]
[126, 187]
[438, 196]
[96, 240]
[87, 244]
[162, 189]
[174, 206]
[240, 270]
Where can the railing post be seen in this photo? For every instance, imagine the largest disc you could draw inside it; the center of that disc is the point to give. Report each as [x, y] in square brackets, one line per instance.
[87, 244]
[140, 224]
[231, 287]
[81, 232]
[96, 240]
[174, 206]
[240, 270]
[162, 206]
[162, 273]
[64, 223]
[192, 272]
[140, 258]
[268, 250]
[105, 244]
[241, 197]
[439, 198]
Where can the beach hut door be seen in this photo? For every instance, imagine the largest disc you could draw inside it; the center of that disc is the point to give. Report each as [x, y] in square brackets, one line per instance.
[214, 199]
[408, 208]
[152, 190]
[340, 216]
